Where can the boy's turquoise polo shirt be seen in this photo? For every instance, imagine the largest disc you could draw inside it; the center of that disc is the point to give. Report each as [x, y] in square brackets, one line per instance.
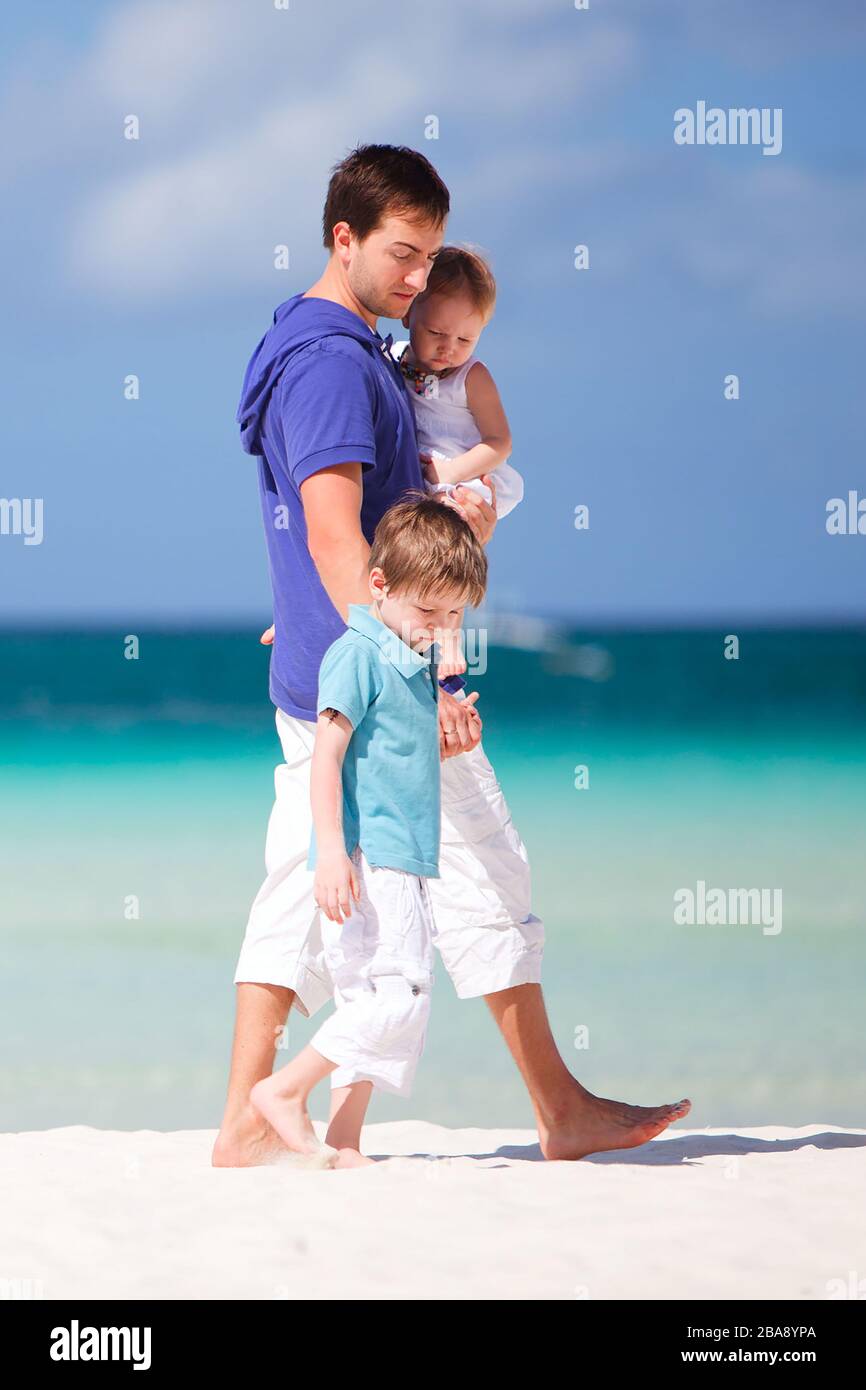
[391, 772]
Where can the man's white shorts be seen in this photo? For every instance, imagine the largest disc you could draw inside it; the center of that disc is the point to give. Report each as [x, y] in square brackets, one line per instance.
[483, 925]
[381, 962]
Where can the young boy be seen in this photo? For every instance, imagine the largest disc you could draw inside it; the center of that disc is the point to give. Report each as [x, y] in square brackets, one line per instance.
[375, 799]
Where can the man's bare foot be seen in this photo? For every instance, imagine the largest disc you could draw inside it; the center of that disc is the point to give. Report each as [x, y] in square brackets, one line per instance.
[352, 1158]
[248, 1142]
[286, 1110]
[592, 1124]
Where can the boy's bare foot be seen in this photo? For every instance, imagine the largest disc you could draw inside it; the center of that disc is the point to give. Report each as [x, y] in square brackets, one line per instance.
[247, 1142]
[590, 1124]
[352, 1158]
[286, 1110]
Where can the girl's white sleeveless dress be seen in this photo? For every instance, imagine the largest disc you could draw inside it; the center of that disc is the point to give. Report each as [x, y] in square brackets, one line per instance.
[446, 428]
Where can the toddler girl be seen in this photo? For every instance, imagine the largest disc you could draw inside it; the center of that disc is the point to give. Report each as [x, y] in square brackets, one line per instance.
[461, 424]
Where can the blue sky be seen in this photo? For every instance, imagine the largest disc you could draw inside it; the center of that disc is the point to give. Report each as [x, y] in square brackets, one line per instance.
[154, 257]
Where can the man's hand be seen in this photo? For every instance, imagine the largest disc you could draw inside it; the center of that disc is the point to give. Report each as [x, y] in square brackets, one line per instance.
[480, 515]
[459, 724]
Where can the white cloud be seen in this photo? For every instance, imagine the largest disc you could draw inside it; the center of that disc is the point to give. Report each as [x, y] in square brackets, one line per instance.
[244, 109]
[212, 210]
[789, 240]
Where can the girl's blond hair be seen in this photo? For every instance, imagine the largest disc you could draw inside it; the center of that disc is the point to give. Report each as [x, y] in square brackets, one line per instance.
[459, 270]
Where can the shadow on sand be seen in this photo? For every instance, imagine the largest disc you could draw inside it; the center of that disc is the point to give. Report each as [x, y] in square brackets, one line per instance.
[689, 1149]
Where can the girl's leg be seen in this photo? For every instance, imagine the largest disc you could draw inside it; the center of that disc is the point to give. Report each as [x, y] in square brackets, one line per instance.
[348, 1108]
[282, 1099]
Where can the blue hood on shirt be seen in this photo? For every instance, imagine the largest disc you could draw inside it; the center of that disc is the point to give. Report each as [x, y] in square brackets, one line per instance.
[297, 323]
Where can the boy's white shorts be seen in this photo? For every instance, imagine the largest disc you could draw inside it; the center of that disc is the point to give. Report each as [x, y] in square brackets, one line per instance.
[381, 962]
[483, 925]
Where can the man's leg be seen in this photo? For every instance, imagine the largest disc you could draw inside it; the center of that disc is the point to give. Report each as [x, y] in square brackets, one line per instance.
[245, 1138]
[280, 962]
[491, 945]
[572, 1122]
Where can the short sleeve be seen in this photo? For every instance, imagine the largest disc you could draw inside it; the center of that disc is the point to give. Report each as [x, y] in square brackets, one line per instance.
[350, 678]
[327, 407]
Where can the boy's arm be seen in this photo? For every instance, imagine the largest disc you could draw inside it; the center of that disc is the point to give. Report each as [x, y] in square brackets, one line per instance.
[336, 879]
[333, 732]
[487, 409]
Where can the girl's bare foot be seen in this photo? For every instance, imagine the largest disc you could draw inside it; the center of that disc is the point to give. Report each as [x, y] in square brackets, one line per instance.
[590, 1124]
[286, 1110]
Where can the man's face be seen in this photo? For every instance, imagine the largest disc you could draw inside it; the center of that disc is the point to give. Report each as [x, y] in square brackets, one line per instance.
[389, 268]
[444, 330]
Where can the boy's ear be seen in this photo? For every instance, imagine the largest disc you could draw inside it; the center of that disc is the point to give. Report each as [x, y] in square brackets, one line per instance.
[405, 320]
[376, 579]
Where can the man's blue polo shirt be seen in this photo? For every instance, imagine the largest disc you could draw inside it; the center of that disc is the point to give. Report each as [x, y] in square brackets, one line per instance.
[319, 390]
[391, 771]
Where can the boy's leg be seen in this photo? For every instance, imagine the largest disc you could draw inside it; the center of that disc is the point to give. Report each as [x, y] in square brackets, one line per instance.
[348, 1111]
[282, 1100]
[381, 961]
[491, 944]
[281, 961]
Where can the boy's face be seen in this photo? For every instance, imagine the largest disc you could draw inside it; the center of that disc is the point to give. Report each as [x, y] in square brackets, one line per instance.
[443, 330]
[417, 618]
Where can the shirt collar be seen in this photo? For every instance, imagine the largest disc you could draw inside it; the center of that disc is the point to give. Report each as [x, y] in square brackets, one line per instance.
[392, 647]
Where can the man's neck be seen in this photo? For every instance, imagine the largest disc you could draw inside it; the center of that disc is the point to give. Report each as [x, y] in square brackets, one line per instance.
[331, 285]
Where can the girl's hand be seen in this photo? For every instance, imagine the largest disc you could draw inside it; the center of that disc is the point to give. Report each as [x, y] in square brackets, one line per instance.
[335, 885]
[429, 469]
[267, 637]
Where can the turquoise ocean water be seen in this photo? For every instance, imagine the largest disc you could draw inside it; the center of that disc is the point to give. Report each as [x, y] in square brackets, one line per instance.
[153, 778]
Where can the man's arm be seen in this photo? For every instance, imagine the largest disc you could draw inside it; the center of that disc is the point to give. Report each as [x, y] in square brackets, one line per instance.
[332, 500]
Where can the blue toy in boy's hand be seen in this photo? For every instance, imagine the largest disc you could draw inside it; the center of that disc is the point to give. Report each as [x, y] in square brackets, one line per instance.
[452, 684]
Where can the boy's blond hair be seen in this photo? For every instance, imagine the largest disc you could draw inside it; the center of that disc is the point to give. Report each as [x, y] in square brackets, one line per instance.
[425, 546]
[460, 270]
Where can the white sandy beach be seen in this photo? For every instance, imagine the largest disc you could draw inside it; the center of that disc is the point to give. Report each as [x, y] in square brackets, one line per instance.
[464, 1214]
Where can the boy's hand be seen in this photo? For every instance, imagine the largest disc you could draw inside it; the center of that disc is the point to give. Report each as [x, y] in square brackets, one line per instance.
[451, 661]
[267, 637]
[336, 884]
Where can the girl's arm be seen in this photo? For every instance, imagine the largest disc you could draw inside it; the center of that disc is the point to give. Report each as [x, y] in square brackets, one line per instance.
[335, 873]
[487, 410]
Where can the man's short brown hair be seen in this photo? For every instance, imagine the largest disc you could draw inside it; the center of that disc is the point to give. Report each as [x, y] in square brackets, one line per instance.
[461, 270]
[377, 181]
[424, 546]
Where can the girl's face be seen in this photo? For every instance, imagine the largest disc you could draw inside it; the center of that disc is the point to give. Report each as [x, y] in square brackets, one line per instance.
[443, 330]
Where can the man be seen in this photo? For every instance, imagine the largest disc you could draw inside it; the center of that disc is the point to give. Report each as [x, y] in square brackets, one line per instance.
[325, 411]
